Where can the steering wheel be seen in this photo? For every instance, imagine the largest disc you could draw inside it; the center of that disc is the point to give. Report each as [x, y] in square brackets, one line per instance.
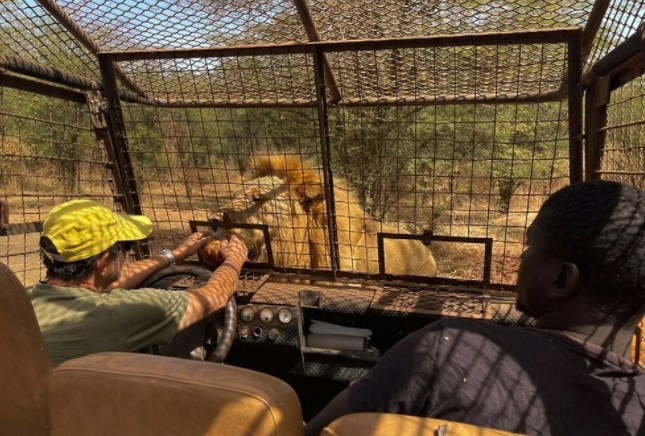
[165, 278]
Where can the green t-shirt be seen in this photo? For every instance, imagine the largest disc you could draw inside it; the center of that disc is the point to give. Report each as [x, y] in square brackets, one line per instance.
[76, 321]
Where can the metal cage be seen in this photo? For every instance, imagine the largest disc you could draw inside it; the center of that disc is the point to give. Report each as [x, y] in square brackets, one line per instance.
[459, 118]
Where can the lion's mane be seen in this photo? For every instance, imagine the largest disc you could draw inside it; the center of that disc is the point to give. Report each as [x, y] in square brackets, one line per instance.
[288, 195]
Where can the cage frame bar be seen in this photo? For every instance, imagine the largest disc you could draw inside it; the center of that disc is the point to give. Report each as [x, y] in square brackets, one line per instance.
[308, 23]
[611, 72]
[426, 238]
[570, 36]
[575, 95]
[325, 150]
[589, 32]
[45, 72]
[558, 35]
[19, 83]
[118, 148]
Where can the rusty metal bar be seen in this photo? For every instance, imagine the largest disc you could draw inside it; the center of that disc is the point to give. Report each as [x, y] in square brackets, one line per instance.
[44, 72]
[65, 20]
[595, 117]
[592, 25]
[421, 100]
[574, 69]
[560, 35]
[325, 149]
[312, 33]
[435, 100]
[403, 280]
[61, 77]
[117, 146]
[216, 103]
[42, 88]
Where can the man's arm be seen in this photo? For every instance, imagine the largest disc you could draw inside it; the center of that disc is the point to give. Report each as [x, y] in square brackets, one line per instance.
[134, 273]
[214, 295]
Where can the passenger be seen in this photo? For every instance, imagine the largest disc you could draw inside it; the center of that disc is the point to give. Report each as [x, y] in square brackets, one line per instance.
[583, 278]
[85, 305]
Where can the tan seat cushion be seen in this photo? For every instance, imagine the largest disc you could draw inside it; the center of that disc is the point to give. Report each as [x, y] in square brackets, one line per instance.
[24, 363]
[132, 394]
[387, 424]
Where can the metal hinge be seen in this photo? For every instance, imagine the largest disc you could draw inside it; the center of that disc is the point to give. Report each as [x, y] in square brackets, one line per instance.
[98, 108]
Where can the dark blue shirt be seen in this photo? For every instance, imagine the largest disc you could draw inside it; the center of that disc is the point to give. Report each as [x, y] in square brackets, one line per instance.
[510, 378]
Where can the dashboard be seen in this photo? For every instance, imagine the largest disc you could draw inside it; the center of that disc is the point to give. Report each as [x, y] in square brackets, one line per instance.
[276, 314]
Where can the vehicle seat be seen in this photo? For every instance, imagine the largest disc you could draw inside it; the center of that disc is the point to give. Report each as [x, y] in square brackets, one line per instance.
[387, 424]
[25, 366]
[126, 393]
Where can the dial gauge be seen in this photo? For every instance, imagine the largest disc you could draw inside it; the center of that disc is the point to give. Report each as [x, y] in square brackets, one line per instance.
[285, 315]
[247, 314]
[266, 314]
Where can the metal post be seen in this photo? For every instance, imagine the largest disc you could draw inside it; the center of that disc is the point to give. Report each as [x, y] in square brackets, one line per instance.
[323, 123]
[119, 145]
[574, 69]
[593, 25]
[312, 33]
[595, 118]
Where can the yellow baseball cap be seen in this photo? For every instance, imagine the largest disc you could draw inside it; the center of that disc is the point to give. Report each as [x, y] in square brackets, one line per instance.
[80, 229]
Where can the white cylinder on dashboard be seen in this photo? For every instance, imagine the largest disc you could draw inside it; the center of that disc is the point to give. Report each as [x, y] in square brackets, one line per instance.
[337, 342]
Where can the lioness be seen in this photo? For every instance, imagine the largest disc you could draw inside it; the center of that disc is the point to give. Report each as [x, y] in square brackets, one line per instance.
[289, 198]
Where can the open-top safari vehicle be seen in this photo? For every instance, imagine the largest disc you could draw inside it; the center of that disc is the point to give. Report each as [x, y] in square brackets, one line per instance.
[381, 159]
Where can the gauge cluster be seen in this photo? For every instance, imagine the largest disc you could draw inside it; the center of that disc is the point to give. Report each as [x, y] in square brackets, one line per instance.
[268, 324]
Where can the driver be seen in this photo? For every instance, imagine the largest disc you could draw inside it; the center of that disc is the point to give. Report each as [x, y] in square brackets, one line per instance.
[583, 278]
[85, 305]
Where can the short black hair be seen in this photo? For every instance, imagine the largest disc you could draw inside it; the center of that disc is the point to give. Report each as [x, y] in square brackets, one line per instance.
[600, 227]
[73, 272]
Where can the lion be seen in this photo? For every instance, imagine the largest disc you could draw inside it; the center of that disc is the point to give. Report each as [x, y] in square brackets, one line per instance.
[288, 196]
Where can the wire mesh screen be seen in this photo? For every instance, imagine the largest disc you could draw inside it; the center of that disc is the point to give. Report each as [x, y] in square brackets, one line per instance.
[445, 74]
[475, 170]
[624, 149]
[136, 24]
[460, 170]
[480, 169]
[465, 165]
[245, 81]
[619, 22]
[28, 31]
[194, 163]
[129, 24]
[366, 19]
[49, 155]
